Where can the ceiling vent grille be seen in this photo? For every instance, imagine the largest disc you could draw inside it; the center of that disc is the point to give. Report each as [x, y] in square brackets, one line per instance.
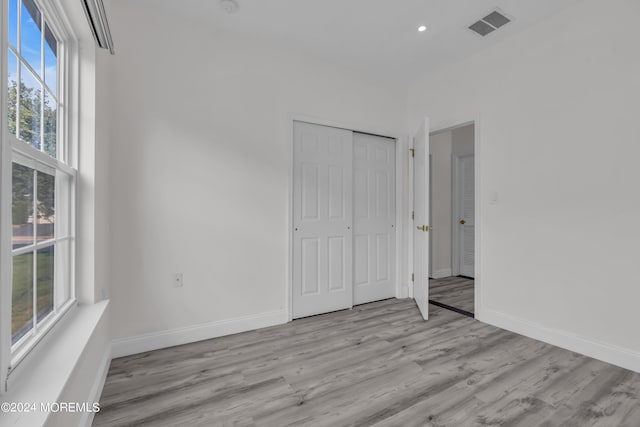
[97, 17]
[489, 23]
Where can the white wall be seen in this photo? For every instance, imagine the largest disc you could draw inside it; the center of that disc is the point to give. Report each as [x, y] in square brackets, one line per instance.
[558, 107]
[440, 148]
[102, 277]
[200, 159]
[92, 243]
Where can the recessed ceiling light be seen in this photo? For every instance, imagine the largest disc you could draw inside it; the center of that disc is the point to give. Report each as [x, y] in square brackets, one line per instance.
[422, 28]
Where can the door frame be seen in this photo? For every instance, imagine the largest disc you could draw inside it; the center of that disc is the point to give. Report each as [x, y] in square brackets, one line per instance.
[446, 125]
[456, 250]
[402, 164]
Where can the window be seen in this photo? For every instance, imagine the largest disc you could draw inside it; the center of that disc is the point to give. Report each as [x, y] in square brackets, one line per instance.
[42, 180]
[33, 78]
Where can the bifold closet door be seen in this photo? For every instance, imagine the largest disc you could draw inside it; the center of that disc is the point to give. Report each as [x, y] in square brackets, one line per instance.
[322, 215]
[374, 218]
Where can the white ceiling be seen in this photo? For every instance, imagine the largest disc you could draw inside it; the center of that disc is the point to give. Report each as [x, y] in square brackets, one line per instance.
[378, 37]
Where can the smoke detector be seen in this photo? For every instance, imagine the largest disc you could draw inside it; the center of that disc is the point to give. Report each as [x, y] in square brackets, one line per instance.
[229, 6]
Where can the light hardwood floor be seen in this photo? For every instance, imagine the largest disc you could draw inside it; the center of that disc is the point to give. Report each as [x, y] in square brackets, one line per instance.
[454, 291]
[378, 364]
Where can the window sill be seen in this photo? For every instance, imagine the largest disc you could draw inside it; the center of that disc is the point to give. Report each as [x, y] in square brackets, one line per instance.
[43, 374]
[47, 326]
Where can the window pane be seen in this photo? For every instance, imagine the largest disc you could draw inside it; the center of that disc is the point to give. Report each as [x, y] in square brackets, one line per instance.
[50, 125]
[13, 23]
[30, 100]
[50, 60]
[22, 296]
[46, 206]
[44, 291]
[12, 87]
[31, 35]
[22, 205]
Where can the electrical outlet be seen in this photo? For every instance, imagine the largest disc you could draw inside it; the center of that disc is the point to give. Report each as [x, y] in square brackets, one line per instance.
[177, 280]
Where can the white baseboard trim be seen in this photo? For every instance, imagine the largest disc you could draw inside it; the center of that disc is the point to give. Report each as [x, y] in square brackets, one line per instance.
[402, 291]
[162, 339]
[96, 389]
[609, 353]
[443, 272]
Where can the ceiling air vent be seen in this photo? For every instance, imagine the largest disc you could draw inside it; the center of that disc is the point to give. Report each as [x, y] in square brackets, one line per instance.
[489, 23]
[97, 17]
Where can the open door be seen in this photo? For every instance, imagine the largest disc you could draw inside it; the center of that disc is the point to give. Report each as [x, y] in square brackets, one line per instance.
[421, 219]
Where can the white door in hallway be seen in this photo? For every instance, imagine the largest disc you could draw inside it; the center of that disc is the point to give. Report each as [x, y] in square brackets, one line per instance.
[322, 215]
[465, 203]
[374, 218]
[421, 219]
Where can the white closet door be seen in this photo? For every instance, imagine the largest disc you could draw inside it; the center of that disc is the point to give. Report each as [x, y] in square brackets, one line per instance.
[374, 215]
[322, 214]
[467, 215]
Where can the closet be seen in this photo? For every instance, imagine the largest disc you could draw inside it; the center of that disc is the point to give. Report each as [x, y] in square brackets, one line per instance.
[344, 218]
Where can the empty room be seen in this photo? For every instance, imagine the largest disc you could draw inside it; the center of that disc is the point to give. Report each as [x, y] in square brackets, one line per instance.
[319, 213]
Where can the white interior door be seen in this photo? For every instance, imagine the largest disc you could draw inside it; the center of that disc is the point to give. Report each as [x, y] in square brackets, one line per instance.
[421, 219]
[322, 214]
[374, 218]
[466, 214]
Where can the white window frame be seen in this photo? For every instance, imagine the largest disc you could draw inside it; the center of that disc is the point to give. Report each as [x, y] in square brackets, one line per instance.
[64, 168]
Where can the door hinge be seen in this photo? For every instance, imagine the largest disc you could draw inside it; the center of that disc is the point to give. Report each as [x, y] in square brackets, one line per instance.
[413, 215]
[412, 277]
[413, 152]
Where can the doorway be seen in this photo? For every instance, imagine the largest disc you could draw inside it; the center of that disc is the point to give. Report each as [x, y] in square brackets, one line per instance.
[452, 207]
[344, 218]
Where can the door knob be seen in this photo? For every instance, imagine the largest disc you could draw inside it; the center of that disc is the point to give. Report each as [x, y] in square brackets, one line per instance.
[463, 222]
[425, 228]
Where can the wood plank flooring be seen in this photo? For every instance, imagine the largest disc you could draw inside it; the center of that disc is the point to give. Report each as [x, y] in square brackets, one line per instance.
[378, 364]
[454, 291]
